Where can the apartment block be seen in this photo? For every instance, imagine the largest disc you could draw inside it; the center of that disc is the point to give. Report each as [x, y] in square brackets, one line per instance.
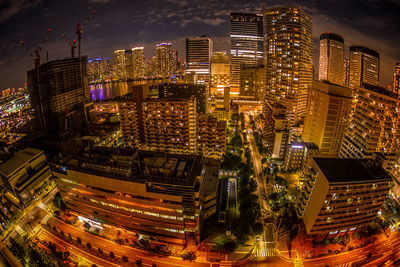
[342, 195]
[327, 116]
[211, 136]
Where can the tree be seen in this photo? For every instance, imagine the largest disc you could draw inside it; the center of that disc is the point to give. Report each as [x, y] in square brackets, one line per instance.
[125, 258]
[138, 262]
[58, 202]
[89, 246]
[79, 240]
[188, 256]
[100, 250]
[112, 255]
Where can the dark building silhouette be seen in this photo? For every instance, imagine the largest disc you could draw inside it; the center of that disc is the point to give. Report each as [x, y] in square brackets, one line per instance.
[59, 92]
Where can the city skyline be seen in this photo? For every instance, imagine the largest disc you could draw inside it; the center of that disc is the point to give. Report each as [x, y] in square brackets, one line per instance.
[369, 24]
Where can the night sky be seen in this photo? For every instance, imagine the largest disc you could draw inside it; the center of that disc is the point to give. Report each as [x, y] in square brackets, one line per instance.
[122, 24]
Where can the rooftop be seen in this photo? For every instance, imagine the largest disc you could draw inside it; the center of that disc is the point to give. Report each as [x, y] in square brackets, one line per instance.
[340, 170]
[138, 166]
[19, 159]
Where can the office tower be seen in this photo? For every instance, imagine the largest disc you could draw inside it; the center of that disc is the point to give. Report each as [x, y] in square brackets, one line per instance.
[131, 116]
[364, 66]
[288, 48]
[374, 124]
[219, 72]
[327, 117]
[342, 195]
[246, 33]
[227, 92]
[252, 81]
[186, 90]
[331, 56]
[123, 64]
[155, 195]
[198, 54]
[211, 136]
[276, 129]
[165, 60]
[170, 125]
[138, 63]
[298, 155]
[346, 65]
[24, 173]
[396, 83]
[59, 94]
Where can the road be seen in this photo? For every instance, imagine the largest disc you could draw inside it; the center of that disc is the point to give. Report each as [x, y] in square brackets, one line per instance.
[265, 244]
[383, 250]
[107, 246]
[33, 214]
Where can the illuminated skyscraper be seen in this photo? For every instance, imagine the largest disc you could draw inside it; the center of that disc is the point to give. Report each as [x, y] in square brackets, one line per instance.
[165, 59]
[288, 57]
[396, 83]
[198, 54]
[246, 32]
[364, 66]
[99, 69]
[346, 64]
[123, 64]
[327, 116]
[374, 124]
[138, 62]
[219, 72]
[331, 56]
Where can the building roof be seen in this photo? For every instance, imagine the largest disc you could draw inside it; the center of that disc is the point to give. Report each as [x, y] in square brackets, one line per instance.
[364, 50]
[340, 170]
[332, 36]
[19, 159]
[378, 89]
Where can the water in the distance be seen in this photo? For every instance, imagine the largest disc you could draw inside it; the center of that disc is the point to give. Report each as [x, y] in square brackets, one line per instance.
[109, 90]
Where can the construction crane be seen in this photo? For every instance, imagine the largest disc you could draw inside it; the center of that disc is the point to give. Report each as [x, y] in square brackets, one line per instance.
[35, 54]
[72, 44]
[79, 30]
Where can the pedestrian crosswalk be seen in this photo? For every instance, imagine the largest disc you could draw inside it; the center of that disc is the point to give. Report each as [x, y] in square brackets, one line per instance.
[298, 263]
[344, 265]
[269, 252]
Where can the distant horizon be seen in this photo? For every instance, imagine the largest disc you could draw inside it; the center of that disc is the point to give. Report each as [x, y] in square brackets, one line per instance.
[119, 25]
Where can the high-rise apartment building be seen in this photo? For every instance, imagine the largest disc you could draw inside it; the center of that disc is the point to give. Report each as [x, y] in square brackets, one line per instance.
[99, 69]
[211, 136]
[298, 155]
[246, 34]
[276, 129]
[166, 60]
[346, 64]
[123, 64]
[374, 124]
[59, 94]
[327, 117]
[198, 54]
[170, 125]
[342, 195]
[364, 66]
[252, 81]
[219, 73]
[396, 83]
[138, 67]
[186, 90]
[288, 48]
[331, 56]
